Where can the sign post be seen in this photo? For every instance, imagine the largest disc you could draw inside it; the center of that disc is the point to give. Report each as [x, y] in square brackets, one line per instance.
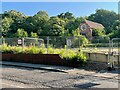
[69, 43]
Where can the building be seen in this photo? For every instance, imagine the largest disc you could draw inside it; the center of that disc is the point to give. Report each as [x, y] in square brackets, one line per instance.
[87, 26]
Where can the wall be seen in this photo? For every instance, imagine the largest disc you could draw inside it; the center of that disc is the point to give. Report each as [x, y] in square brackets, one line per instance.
[100, 57]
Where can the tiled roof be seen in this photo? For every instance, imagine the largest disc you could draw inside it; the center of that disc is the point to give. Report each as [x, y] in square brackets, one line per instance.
[94, 24]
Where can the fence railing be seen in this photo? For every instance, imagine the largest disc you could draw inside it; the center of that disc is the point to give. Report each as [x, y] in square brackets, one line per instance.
[74, 43]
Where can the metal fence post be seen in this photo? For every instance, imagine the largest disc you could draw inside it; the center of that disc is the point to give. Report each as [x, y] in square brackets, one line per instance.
[109, 51]
[66, 48]
[79, 41]
[47, 43]
[23, 43]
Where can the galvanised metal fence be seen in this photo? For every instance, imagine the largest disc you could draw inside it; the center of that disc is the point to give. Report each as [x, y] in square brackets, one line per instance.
[98, 44]
[114, 50]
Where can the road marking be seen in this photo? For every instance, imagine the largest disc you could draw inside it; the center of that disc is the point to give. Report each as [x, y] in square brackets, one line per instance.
[13, 85]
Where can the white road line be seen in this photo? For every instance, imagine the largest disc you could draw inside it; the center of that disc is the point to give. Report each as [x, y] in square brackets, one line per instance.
[13, 85]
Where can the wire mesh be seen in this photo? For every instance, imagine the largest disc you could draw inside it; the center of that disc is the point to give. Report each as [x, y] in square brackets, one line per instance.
[57, 42]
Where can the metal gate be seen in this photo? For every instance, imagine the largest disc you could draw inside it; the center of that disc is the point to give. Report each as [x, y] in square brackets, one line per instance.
[114, 53]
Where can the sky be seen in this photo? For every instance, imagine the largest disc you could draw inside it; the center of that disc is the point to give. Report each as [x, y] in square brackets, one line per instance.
[54, 8]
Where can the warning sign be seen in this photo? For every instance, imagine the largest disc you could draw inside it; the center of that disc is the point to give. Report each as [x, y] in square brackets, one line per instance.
[19, 41]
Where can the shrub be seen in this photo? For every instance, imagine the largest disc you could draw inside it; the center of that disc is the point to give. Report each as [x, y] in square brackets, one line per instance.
[66, 54]
[50, 50]
[28, 50]
[81, 57]
[74, 57]
[6, 49]
[33, 50]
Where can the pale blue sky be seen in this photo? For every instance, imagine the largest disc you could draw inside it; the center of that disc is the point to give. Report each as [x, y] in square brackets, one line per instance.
[54, 8]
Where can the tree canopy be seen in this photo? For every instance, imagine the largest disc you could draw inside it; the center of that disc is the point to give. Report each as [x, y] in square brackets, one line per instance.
[105, 17]
[15, 23]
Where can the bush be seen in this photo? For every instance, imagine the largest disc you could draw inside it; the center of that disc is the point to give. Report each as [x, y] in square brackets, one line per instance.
[74, 57]
[17, 49]
[101, 39]
[81, 57]
[66, 54]
[34, 50]
[6, 49]
[98, 45]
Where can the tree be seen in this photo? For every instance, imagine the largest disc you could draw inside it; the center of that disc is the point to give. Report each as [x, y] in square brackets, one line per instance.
[67, 15]
[56, 30]
[40, 20]
[70, 26]
[17, 17]
[21, 33]
[56, 26]
[28, 25]
[76, 32]
[43, 14]
[105, 17]
[73, 24]
[34, 35]
[6, 23]
[116, 30]
[98, 32]
[116, 25]
[57, 20]
[83, 40]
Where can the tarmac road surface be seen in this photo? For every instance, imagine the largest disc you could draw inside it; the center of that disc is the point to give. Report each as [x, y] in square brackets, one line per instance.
[23, 77]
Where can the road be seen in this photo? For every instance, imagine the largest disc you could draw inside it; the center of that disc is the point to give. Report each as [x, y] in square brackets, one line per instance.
[21, 77]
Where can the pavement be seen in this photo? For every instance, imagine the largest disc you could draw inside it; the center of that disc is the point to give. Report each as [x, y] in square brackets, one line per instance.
[24, 75]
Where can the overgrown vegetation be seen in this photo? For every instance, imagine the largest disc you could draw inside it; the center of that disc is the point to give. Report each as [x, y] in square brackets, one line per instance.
[66, 54]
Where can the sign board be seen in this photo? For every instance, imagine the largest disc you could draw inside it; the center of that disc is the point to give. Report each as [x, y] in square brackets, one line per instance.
[68, 42]
[19, 41]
